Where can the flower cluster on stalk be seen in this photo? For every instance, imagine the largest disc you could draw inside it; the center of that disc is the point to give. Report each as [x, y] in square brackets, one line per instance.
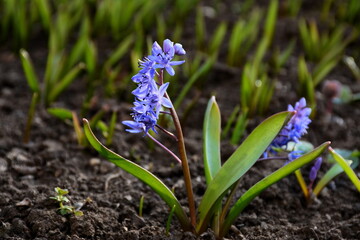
[293, 131]
[150, 94]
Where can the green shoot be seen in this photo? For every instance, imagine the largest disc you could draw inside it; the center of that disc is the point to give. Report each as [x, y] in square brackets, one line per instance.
[30, 117]
[62, 199]
[141, 206]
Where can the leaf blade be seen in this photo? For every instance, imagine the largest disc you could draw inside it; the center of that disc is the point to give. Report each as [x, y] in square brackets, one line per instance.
[30, 74]
[347, 169]
[266, 182]
[233, 169]
[148, 178]
[211, 136]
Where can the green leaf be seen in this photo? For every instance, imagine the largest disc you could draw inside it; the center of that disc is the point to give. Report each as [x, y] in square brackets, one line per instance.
[61, 191]
[203, 70]
[211, 135]
[45, 12]
[266, 182]
[65, 82]
[61, 113]
[347, 169]
[270, 21]
[90, 58]
[142, 174]
[217, 39]
[230, 121]
[200, 28]
[78, 213]
[239, 128]
[334, 171]
[239, 163]
[111, 128]
[119, 52]
[77, 52]
[29, 71]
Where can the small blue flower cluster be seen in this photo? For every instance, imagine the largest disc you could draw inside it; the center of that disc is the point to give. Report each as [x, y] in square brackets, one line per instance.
[314, 169]
[296, 127]
[149, 95]
[292, 132]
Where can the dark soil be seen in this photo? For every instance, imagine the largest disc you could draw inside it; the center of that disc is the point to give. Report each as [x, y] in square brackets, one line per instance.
[30, 172]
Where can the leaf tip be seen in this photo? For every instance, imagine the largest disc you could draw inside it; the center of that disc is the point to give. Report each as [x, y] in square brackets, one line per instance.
[85, 121]
[213, 99]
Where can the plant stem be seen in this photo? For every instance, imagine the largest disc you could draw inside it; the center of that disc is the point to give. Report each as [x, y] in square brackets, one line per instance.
[31, 113]
[183, 157]
[167, 132]
[302, 184]
[163, 147]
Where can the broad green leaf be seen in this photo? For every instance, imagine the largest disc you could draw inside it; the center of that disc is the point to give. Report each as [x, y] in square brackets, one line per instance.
[347, 169]
[239, 163]
[29, 71]
[211, 135]
[61, 113]
[142, 174]
[266, 182]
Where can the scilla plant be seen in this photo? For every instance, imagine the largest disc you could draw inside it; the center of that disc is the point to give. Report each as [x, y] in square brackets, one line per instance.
[287, 146]
[152, 100]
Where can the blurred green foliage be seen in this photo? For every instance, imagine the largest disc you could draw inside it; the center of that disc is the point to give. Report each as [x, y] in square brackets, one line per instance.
[106, 38]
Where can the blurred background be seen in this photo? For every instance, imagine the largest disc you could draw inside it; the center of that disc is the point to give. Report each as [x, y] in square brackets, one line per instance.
[256, 56]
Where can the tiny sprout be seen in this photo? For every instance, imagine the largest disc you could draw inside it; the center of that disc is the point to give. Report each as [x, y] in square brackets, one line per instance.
[141, 206]
[68, 209]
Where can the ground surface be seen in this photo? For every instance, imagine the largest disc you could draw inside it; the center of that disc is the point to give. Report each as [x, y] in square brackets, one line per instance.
[30, 172]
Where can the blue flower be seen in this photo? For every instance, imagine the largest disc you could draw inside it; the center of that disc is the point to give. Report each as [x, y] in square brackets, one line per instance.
[149, 98]
[163, 57]
[299, 123]
[294, 129]
[157, 99]
[136, 127]
[314, 169]
[294, 155]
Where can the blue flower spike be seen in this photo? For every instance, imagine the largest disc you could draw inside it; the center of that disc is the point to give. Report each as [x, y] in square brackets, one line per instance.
[149, 97]
[314, 170]
[294, 130]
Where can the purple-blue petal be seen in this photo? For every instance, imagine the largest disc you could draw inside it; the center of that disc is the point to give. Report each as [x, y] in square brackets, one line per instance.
[174, 63]
[170, 70]
[179, 50]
